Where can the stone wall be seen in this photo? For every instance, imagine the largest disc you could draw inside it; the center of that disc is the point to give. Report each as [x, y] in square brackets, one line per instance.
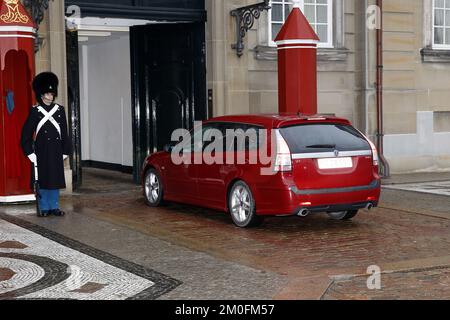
[346, 74]
[416, 94]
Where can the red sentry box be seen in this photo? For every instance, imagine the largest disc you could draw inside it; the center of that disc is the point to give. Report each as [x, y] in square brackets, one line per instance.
[17, 43]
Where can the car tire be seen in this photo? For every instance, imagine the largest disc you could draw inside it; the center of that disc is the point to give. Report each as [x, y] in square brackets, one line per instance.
[343, 215]
[153, 188]
[242, 206]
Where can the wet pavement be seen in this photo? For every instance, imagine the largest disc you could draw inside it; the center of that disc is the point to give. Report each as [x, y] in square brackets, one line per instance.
[184, 252]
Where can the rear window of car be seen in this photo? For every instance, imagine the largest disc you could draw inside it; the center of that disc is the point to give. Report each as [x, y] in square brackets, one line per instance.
[314, 138]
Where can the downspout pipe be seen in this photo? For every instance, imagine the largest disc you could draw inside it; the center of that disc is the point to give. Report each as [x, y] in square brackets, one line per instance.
[367, 84]
[385, 169]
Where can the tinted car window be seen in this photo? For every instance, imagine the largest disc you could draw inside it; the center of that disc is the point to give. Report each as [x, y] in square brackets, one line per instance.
[242, 137]
[211, 135]
[195, 141]
[324, 138]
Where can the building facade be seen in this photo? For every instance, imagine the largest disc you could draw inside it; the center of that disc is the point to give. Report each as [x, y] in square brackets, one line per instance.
[416, 70]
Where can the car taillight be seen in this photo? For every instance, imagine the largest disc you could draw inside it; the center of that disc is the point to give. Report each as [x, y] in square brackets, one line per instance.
[374, 152]
[283, 159]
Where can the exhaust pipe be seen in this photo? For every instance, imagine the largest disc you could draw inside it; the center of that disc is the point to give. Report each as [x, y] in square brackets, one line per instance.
[304, 213]
[369, 207]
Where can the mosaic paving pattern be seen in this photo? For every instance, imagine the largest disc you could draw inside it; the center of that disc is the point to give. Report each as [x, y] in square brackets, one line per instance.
[440, 188]
[36, 263]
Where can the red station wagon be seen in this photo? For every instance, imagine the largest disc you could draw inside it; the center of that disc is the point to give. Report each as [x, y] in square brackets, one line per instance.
[319, 164]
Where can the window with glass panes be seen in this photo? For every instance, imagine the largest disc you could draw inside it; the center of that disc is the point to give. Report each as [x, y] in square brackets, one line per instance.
[441, 23]
[318, 12]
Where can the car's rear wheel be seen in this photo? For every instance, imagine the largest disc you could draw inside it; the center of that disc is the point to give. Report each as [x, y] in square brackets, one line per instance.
[343, 215]
[242, 206]
[153, 188]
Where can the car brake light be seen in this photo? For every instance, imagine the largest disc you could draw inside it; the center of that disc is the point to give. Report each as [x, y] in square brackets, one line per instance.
[375, 153]
[283, 159]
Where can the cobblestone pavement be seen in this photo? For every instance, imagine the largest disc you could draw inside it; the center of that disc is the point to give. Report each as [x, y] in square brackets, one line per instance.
[285, 258]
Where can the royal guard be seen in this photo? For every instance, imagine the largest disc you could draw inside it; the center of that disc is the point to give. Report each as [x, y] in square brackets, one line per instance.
[46, 143]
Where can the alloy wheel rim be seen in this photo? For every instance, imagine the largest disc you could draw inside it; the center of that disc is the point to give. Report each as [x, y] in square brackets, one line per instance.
[152, 187]
[240, 204]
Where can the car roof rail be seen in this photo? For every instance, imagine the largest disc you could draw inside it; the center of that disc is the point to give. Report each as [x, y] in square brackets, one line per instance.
[321, 115]
[331, 115]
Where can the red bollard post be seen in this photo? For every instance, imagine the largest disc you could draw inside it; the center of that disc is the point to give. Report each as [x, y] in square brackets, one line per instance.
[297, 65]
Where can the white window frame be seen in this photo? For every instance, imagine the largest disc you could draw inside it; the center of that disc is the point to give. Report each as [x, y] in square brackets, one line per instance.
[438, 46]
[329, 44]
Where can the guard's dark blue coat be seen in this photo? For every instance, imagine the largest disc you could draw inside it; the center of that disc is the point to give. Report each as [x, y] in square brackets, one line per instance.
[49, 147]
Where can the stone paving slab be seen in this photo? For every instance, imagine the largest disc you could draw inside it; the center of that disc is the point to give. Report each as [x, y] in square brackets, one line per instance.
[418, 177]
[418, 285]
[439, 188]
[416, 203]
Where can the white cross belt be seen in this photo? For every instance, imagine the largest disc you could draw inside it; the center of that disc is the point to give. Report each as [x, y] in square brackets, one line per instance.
[48, 116]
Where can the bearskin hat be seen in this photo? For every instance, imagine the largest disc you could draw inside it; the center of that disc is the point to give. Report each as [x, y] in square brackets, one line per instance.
[45, 82]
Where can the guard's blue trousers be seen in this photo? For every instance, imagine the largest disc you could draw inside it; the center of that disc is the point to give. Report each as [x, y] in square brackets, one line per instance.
[49, 200]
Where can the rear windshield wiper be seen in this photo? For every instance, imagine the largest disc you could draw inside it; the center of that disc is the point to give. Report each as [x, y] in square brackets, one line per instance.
[322, 146]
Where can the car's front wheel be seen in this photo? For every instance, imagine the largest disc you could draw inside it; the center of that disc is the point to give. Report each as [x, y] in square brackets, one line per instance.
[343, 215]
[153, 188]
[242, 206]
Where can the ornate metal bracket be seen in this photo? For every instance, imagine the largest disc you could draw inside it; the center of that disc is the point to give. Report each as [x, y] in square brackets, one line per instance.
[245, 18]
[37, 8]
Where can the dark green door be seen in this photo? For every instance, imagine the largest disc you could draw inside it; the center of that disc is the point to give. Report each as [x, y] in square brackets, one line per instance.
[168, 84]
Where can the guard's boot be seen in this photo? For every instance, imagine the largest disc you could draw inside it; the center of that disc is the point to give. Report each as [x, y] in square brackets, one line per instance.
[43, 214]
[57, 213]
